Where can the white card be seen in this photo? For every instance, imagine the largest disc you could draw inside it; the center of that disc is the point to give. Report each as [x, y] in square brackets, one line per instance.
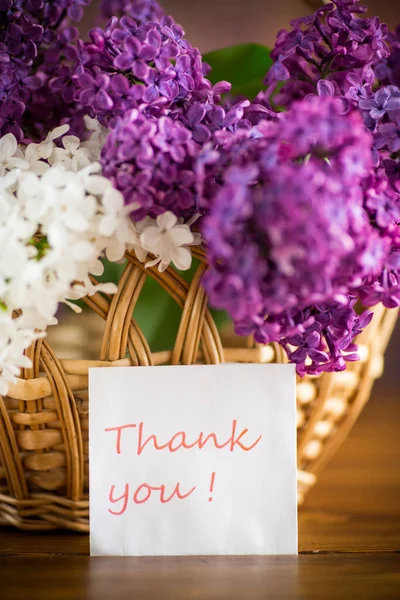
[193, 460]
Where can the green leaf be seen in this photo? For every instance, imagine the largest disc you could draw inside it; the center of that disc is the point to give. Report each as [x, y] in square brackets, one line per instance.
[244, 66]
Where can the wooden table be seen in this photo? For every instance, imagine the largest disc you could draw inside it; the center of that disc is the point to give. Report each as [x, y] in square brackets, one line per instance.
[349, 540]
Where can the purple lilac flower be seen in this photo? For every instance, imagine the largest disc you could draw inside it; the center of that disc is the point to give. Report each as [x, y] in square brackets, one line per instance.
[140, 10]
[392, 171]
[385, 289]
[151, 160]
[381, 114]
[129, 64]
[384, 205]
[337, 53]
[288, 235]
[357, 60]
[387, 71]
[329, 45]
[36, 46]
[385, 101]
[388, 135]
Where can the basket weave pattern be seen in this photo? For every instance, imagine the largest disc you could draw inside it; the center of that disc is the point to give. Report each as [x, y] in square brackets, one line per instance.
[44, 420]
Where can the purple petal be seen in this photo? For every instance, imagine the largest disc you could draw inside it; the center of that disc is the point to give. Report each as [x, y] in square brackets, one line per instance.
[103, 101]
[299, 355]
[317, 355]
[140, 69]
[195, 114]
[393, 104]
[325, 88]
[123, 61]
[377, 114]
[279, 72]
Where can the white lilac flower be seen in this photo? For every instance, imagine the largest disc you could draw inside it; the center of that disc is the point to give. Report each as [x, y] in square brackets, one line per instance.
[44, 149]
[10, 155]
[167, 239]
[58, 217]
[72, 155]
[96, 139]
[121, 231]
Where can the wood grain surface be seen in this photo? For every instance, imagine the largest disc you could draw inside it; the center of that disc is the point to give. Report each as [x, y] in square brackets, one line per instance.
[349, 538]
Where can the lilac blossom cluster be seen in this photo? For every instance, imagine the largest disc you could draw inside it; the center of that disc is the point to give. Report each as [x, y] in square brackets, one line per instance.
[150, 160]
[148, 85]
[128, 65]
[320, 52]
[289, 240]
[300, 209]
[35, 38]
[337, 52]
[302, 216]
[156, 161]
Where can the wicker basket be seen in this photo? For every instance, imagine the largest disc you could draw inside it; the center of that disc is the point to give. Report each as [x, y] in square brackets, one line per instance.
[44, 420]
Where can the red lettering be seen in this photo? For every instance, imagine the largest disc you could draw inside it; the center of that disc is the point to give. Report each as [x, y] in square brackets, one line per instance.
[119, 429]
[179, 441]
[176, 493]
[149, 489]
[236, 441]
[124, 497]
[152, 438]
[140, 488]
[211, 436]
[182, 443]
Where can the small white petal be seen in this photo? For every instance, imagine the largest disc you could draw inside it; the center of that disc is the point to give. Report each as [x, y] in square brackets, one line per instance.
[89, 207]
[113, 200]
[9, 180]
[8, 147]
[107, 288]
[39, 167]
[182, 259]
[75, 220]
[97, 268]
[140, 252]
[152, 263]
[163, 266]
[71, 143]
[108, 225]
[91, 124]
[150, 238]
[18, 163]
[31, 152]
[115, 251]
[167, 220]
[181, 235]
[77, 309]
[83, 251]
[45, 149]
[144, 224]
[96, 184]
[58, 132]
[166, 249]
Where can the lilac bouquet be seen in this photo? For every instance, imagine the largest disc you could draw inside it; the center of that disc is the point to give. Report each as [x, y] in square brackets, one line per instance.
[290, 179]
